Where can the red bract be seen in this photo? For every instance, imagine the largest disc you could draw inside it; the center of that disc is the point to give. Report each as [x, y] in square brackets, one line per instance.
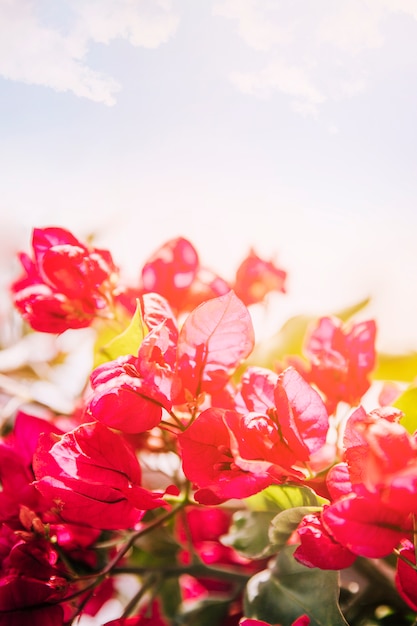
[257, 389]
[338, 481]
[123, 399]
[93, 477]
[171, 270]
[283, 439]
[30, 583]
[208, 461]
[301, 414]
[382, 458]
[174, 271]
[318, 548]
[214, 339]
[406, 575]
[40, 609]
[16, 475]
[256, 277]
[66, 284]
[341, 359]
[365, 526]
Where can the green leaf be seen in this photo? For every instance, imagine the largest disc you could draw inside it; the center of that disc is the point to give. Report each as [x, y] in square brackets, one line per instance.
[289, 340]
[349, 311]
[400, 367]
[249, 533]
[278, 498]
[109, 346]
[207, 612]
[170, 593]
[288, 590]
[407, 403]
[285, 523]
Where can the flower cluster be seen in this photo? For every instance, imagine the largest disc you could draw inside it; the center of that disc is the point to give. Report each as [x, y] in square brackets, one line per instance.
[226, 492]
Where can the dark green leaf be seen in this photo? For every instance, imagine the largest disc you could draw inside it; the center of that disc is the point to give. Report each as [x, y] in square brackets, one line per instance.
[170, 594]
[248, 533]
[288, 590]
[208, 612]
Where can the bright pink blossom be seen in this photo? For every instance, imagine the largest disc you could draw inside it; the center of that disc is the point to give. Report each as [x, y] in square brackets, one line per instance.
[174, 271]
[255, 278]
[341, 359]
[171, 270]
[406, 575]
[66, 284]
[280, 441]
[365, 526]
[121, 398]
[31, 583]
[382, 458]
[208, 461]
[318, 548]
[214, 339]
[93, 477]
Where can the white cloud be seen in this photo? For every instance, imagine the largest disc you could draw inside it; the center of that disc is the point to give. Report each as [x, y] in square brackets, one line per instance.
[291, 80]
[147, 23]
[332, 46]
[258, 22]
[35, 53]
[352, 26]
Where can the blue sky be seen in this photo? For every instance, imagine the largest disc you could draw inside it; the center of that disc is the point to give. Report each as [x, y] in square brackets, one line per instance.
[289, 126]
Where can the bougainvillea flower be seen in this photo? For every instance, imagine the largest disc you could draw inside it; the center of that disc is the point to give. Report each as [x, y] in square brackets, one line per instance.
[257, 447]
[171, 270]
[341, 359]
[66, 284]
[25, 601]
[406, 575]
[16, 475]
[205, 286]
[365, 526]
[338, 481]
[255, 278]
[30, 581]
[318, 548]
[301, 414]
[284, 438]
[93, 477]
[121, 398]
[208, 462]
[257, 389]
[214, 339]
[382, 458]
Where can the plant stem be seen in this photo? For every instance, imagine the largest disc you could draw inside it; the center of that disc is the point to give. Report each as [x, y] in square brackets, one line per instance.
[195, 569]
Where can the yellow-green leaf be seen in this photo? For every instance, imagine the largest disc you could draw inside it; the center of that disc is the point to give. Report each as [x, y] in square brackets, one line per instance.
[407, 403]
[400, 367]
[127, 342]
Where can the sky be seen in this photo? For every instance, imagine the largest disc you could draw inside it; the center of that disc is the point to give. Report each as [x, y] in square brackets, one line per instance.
[286, 126]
